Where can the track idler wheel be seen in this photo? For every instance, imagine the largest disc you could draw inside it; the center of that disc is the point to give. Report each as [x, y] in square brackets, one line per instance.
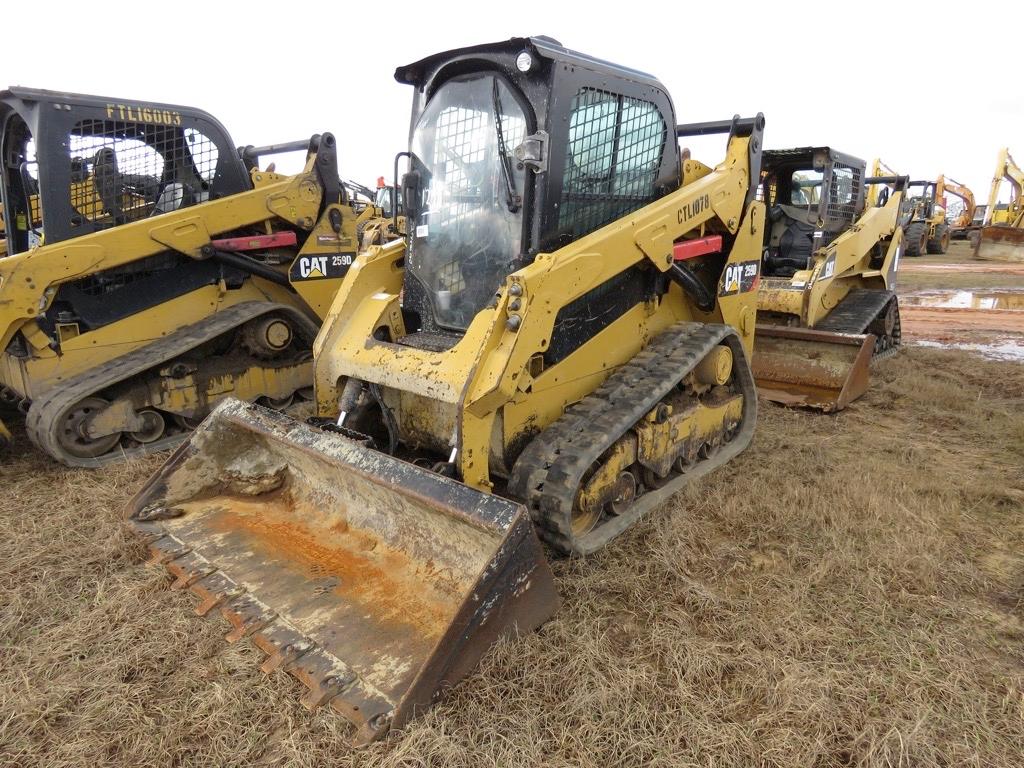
[72, 433]
[153, 426]
[278, 403]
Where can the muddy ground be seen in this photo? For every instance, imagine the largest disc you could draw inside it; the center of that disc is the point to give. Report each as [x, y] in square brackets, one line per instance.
[952, 301]
[848, 592]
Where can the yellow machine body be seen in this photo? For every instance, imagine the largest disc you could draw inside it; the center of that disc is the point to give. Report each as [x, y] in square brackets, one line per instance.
[1001, 237]
[960, 227]
[120, 339]
[623, 349]
[820, 326]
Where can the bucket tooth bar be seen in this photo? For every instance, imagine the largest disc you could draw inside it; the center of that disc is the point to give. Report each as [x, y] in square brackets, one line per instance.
[328, 679]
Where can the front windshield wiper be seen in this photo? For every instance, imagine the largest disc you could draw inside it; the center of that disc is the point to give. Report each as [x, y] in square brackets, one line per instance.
[503, 159]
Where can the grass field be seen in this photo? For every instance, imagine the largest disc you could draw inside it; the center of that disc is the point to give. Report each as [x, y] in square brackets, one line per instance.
[849, 592]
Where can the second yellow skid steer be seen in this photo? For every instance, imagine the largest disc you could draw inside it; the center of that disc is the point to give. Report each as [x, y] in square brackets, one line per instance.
[153, 269]
[559, 345]
[826, 306]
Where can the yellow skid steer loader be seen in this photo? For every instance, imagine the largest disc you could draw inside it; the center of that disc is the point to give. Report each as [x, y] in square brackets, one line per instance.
[559, 344]
[153, 269]
[826, 306]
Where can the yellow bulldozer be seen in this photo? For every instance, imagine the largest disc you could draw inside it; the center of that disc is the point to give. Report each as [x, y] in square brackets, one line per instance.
[1001, 237]
[560, 343]
[826, 306]
[152, 269]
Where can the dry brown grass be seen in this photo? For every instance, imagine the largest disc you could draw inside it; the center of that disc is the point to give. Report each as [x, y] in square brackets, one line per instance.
[850, 592]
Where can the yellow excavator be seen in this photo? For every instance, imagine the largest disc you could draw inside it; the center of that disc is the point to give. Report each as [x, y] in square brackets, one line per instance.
[961, 226]
[152, 269]
[1001, 237]
[559, 345]
[826, 305]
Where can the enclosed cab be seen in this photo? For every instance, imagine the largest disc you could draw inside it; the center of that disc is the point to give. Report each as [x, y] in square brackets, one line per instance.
[520, 157]
[830, 255]
[927, 230]
[813, 194]
[82, 164]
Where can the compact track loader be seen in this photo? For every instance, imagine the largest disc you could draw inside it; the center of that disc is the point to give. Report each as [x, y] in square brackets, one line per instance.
[1001, 238]
[558, 346]
[826, 307]
[153, 269]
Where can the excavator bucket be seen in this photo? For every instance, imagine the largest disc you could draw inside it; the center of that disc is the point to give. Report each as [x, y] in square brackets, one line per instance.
[824, 370]
[374, 582]
[1000, 244]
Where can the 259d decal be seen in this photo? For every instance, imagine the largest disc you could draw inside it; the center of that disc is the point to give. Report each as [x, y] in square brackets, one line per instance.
[740, 278]
[320, 267]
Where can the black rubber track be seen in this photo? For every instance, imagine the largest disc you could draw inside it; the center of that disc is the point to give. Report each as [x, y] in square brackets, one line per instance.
[548, 474]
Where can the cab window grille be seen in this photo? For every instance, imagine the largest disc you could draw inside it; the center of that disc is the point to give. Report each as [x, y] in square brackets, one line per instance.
[844, 190]
[464, 143]
[463, 147]
[123, 171]
[615, 149]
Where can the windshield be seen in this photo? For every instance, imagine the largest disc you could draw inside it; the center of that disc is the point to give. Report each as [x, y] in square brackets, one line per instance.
[469, 219]
[805, 187]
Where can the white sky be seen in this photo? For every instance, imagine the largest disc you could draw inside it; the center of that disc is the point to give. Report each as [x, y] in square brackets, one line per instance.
[918, 83]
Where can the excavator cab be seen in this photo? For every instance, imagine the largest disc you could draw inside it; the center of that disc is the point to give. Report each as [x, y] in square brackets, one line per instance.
[74, 164]
[812, 194]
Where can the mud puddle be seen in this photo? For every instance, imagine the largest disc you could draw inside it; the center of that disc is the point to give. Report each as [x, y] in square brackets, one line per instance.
[989, 322]
[957, 299]
[998, 350]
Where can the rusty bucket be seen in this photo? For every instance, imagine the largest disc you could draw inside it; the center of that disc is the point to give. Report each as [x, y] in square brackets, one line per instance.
[802, 367]
[374, 582]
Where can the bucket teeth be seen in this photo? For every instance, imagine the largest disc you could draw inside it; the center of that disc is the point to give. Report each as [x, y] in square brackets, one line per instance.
[246, 614]
[285, 656]
[328, 680]
[214, 590]
[374, 583]
[166, 549]
[188, 569]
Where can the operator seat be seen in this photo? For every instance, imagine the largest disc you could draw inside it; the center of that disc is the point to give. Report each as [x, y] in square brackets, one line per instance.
[792, 241]
[172, 197]
[107, 180]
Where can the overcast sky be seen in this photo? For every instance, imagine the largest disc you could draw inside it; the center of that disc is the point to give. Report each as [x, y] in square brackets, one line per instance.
[918, 83]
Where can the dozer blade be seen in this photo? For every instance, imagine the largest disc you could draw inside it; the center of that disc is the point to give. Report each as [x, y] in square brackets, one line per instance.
[374, 582]
[814, 369]
[1000, 244]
